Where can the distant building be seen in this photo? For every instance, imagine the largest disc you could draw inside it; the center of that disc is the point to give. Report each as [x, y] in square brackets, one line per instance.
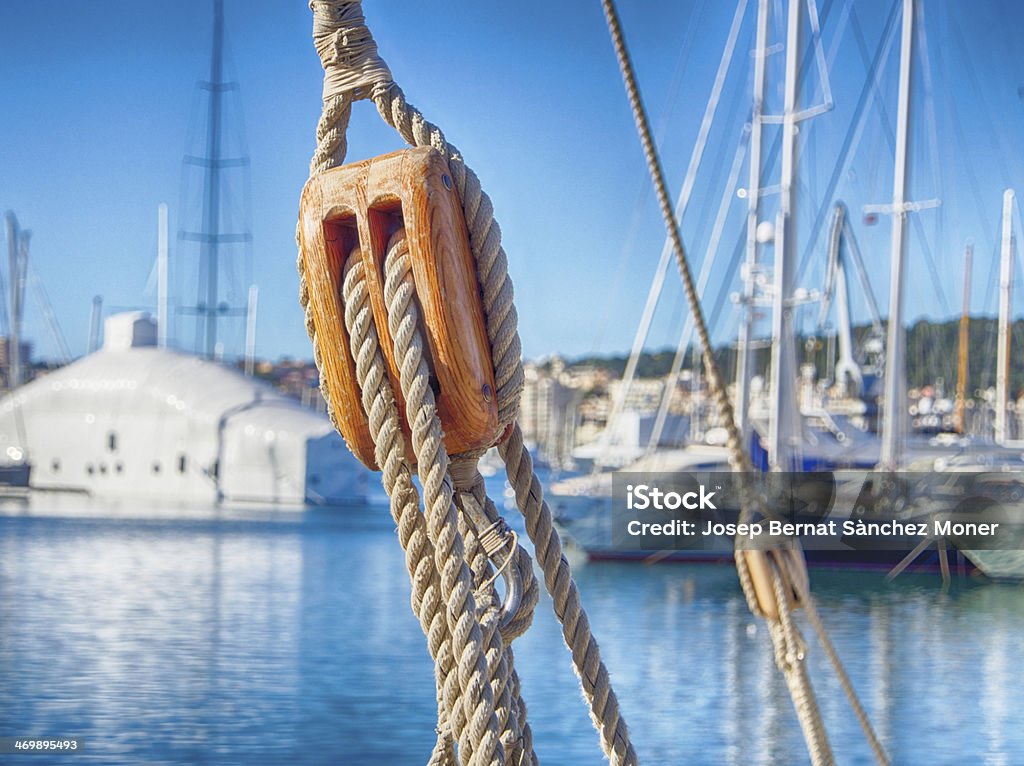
[548, 411]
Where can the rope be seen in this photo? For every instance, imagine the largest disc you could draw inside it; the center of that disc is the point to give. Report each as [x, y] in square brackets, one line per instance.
[479, 701]
[484, 241]
[378, 401]
[737, 457]
[475, 642]
[471, 498]
[494, 536]
[790, 656]
[844, 680]
[347, 48]
[484, 727]
[565, 597]
[786, 639]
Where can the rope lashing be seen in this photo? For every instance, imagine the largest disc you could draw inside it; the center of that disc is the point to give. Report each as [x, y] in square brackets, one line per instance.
[471, 497]
[777, 581]
[346, 45]
[452, 555]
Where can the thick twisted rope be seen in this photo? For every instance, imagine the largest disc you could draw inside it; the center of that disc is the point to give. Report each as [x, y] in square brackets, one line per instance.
[389, 448]
[442, 516]
[501, 323]
[565, 597]
[501, 320]
[470, 492]
[471, 497]
[811, 610]
[493, 275]
[468, 640]
[414, 536]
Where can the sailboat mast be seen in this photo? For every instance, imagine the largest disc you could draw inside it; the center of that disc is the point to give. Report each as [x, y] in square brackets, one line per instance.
[95, 316]
[250, 329]
[211, 189]
[784, 422]
[17, 254]
[744, 361]
[960, 414]
[11, 224]
[895, 364]
[161, 276]
[1003, 343]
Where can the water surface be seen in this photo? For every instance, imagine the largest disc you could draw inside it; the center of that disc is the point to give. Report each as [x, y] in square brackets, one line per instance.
[250, 636]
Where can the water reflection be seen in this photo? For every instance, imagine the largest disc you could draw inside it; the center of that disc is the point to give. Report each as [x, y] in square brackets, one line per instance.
[190, 635]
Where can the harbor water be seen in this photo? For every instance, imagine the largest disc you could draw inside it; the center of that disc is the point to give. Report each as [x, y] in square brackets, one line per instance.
[254, 636]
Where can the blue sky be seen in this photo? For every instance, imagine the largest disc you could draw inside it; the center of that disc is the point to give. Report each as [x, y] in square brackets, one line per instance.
[98, 98]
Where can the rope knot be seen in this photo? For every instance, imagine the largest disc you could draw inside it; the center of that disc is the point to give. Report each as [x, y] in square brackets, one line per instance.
[347, 50]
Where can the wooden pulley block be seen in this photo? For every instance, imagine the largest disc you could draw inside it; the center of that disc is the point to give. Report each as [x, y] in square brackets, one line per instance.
[760, 568]
[359, 207]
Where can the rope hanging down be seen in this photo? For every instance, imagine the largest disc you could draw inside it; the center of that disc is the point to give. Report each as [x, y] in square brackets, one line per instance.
[773, 581]
[451, 545]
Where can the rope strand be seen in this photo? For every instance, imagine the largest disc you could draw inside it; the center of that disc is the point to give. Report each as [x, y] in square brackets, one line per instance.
[788, 644]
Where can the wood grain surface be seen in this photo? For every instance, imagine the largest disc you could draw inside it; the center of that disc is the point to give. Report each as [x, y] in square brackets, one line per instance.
[360, 206]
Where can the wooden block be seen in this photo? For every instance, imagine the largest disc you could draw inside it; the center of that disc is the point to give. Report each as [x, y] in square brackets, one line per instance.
[362, 205]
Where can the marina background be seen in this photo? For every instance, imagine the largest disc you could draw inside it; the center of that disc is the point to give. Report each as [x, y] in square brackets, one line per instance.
[186, 632]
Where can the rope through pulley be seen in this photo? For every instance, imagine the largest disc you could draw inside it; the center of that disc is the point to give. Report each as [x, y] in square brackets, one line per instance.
[774, 581]
[409, 307]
